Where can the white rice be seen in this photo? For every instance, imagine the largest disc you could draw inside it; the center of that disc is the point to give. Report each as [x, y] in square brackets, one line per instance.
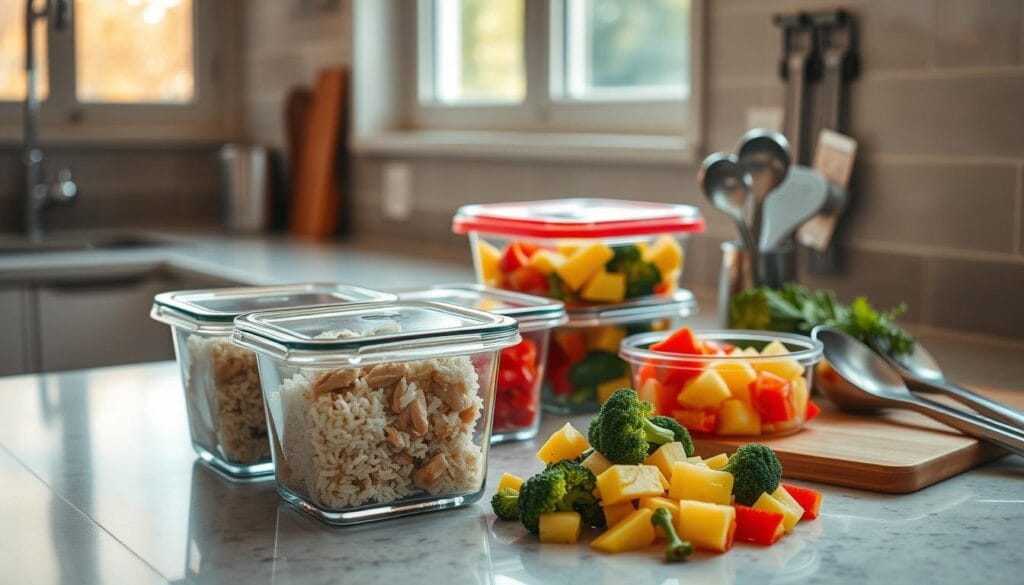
[335, 446]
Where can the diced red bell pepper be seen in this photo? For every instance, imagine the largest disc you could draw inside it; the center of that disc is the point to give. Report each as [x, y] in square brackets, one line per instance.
[696, 420]
[513, 258]
[813, 410]
[718, 347]
[770, 397]
[646, 372]
[757, 526]
[528, 280]
[572, 343]
[559, 376]
[666, 399]
[808, 499]
[682, 341]
[524, 352]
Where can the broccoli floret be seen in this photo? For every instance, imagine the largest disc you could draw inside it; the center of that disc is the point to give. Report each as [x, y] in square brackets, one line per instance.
[679, 432]
[623, 432]
[579, 459]
[755, 470]
[566, 486]
[596, 368]
[641, 276]
[677, 549]
[506, 504]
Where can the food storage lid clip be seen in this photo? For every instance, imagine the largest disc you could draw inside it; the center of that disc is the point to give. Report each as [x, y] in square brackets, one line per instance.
[578, 218]
[531, 312]
[371, 333]
[214, 310]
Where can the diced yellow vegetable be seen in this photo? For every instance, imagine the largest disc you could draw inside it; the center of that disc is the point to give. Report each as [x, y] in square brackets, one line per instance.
[569, 247]
[789, 501]
[560, 527]
[649, 390]
[634, 532]
[489, 257]
[750, 351]
[769, 504]
[706, 526]
[738, 374]
[605, 337]
[606, 287]
[629, 482]
[546, 261]
[707, 390]
[606, 389]
[695, 460]
[665, 253]
[565, 443]
[785, 369]
[654, 502]
[665, 456]
[596, 463]
[584, 263]
[615, 513]
[798, 386]
[702, 484]
[738, 418]
[718, 461]
[510, 481]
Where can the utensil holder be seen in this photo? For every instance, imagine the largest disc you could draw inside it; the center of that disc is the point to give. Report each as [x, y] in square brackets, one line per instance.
[742, 269]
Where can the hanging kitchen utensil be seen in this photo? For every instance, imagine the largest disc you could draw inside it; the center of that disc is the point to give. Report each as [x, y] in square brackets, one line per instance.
[836, 38]
[724, 184]
[764, 157]
[800, 64]
[798, 198]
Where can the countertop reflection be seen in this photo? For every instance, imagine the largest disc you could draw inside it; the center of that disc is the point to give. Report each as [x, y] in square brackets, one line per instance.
[100, 485]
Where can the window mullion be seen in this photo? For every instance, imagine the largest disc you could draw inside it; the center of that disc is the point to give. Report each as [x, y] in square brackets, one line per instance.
[61, 48]
[537, 61]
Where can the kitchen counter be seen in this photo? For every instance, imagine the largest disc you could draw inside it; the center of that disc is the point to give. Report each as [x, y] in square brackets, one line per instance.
[100, 484]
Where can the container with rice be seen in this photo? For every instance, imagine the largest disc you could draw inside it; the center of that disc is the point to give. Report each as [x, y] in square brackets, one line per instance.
[223, 397]
[378, 410]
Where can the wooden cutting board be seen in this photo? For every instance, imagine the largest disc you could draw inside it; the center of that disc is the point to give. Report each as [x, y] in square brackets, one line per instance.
[893, 452]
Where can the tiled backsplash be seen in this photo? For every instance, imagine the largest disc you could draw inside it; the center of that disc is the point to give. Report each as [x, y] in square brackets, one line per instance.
[937, 218]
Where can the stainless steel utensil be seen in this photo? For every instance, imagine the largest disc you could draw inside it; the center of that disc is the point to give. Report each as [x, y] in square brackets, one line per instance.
[800, 197]
[921, 372]
[865, 382]
[764, 157]
[724, 185]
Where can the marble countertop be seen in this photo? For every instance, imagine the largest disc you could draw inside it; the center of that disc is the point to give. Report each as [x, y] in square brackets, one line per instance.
[100, 483]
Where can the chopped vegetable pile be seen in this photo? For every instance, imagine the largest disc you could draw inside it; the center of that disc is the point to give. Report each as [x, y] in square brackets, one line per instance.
[639, 480]
[796, 309]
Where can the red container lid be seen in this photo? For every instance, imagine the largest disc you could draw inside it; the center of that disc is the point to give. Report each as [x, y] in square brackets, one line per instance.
[578, 218]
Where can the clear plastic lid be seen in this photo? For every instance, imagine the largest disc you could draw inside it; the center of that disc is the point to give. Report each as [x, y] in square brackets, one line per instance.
[213, 310]
[370, 333]
[532, 312]
[578, 218]
[681, 304]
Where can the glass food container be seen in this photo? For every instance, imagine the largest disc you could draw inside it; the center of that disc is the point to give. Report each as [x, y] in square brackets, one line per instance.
[741, 383]
[378, 410]
[221, 381]
[521, 369]
[584, 366]
[580, 251]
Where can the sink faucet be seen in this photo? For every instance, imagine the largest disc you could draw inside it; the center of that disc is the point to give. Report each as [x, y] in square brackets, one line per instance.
[39, 194]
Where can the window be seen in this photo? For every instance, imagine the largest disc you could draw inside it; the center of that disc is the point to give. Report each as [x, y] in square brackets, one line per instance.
[606, 66]
[123, 66]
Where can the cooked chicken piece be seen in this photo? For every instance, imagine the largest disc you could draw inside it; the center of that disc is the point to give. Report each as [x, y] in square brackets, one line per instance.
[403, 459]
[425, 477]
[442, 426]
[468, 414]
[453, 395]
[418, 412]
[395, 438]
[401, 396]
[228, 368]
[403, 421]
[334, 381]
[383, 375]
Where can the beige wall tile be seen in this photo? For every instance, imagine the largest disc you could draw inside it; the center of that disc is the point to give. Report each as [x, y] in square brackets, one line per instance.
[976, 296]
[963, 206]
[888, 280]
[743, 44]
[969, 34]
[970, 115]
[895, 35]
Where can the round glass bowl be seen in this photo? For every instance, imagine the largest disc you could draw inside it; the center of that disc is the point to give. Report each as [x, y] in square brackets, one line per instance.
[746, 383]
[580, 251]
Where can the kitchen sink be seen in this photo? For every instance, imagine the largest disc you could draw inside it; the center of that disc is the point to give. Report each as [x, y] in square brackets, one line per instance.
[74, 242]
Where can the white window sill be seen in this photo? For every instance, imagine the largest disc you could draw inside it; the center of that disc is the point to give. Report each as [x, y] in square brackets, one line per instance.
[624, 148]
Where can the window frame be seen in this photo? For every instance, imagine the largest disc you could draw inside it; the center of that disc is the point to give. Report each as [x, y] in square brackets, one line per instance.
[209, 116]
[541, 111]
